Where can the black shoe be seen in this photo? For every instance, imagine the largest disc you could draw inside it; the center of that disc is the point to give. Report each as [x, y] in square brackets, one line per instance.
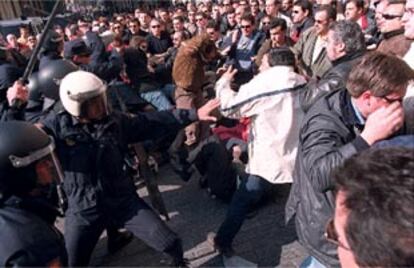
[118, 241]
[183, 262]
[225, 251]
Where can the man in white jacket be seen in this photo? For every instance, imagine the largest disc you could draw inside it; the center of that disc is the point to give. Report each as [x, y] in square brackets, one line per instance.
[271, 102]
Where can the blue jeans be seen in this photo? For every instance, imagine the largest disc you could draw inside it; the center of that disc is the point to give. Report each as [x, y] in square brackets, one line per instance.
[160, 98]
[311, 262]
[251, 191]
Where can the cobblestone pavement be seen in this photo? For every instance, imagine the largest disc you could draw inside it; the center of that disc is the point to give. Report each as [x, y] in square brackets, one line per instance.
[264, 240]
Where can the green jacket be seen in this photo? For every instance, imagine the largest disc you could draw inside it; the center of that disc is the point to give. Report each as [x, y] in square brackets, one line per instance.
[303, 50]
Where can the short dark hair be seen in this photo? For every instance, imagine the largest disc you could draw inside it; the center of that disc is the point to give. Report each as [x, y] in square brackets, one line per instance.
[213, 25]
[305, 5]
[278, 22]
[201, 13]
[349, 33]
[330, 11]
[380, 73]
[24, 26]
[179, 18]
[248, 17]
[134, 20]
[281, 56]
[378, 185]
[360, 4]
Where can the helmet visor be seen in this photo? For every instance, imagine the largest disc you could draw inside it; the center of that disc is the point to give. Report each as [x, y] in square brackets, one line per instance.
[48, 170]
[45, 161]
[95, 108]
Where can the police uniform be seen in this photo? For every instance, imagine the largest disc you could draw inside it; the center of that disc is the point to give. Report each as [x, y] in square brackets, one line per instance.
[8, 74]
[100, 192]
[27, 235]
[29, 170]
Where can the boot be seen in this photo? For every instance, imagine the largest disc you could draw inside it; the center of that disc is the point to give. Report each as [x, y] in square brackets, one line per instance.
[117, 240]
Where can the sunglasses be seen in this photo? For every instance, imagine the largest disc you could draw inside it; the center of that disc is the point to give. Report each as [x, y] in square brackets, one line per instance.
[155, 26]
[117, 27]
[199, 19]
[332, 236]
[133, 26]
[390, 16]
[245, 26]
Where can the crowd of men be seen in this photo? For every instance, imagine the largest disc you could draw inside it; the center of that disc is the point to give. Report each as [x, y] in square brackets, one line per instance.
[251, 94]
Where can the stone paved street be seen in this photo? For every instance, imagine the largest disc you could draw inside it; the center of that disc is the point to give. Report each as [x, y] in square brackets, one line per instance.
[264, 239]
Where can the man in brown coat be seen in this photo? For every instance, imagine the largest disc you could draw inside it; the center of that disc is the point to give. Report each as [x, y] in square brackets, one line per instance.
[188, 75]
[394, 42]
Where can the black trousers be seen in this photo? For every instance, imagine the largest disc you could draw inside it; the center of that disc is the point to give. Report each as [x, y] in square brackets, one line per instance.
[82, 233]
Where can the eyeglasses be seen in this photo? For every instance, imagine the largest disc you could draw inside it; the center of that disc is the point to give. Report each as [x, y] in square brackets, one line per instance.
[155, 26]
[391, 100]
[391, 16]
[332, 236]
[245, 26]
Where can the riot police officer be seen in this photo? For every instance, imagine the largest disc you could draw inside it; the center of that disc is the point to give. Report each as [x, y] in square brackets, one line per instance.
[28, 169]
[44, 88]
[9, 73]
[92, 141]
[44, 100]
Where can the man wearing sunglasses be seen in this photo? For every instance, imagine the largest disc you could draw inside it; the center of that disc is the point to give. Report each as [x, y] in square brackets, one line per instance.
[301, 17]
[336, 127]
[373, 225]
[158, 40]
[394, 41]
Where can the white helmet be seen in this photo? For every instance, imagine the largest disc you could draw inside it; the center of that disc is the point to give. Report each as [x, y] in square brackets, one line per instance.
[78, 88]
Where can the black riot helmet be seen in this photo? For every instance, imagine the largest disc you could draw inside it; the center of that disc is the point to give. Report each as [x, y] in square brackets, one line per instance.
[27, 159]
[50, 76]
[53, 43]
[33, 87]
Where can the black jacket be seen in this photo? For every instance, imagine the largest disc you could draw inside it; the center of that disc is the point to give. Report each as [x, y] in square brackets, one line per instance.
[92, 158]
[107, 69]
[8, 113]
[335, 78]
[8, 74]
[329, 135]
[159, 45]
[27, 234]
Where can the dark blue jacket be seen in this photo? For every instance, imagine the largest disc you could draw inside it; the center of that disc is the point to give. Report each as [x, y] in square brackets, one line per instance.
[92, 157]
[107, 69]
[28, 236]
